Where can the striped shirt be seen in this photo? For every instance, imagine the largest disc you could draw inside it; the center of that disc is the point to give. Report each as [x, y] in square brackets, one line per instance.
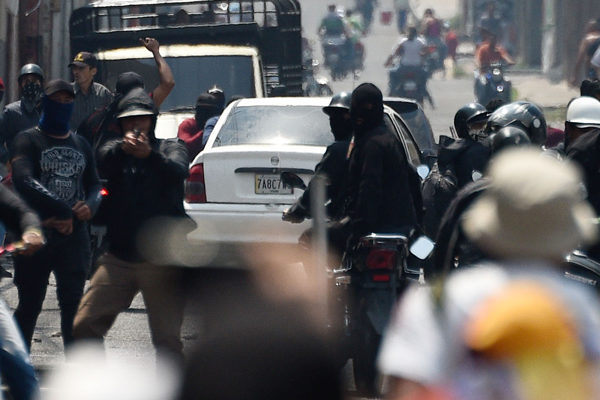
[98, 96]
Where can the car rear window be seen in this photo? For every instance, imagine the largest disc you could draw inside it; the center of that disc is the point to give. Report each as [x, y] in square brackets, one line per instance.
[295, 125]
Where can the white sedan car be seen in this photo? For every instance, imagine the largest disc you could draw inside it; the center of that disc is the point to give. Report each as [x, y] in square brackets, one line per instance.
[234, 192]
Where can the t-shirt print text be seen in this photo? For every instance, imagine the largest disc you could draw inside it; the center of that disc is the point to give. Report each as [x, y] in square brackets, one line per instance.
[61, 170]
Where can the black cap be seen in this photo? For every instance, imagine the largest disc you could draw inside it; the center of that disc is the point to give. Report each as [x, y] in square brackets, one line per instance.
[206, 100]
[136, 103]
[127, 81]
[84, 58]
[59, 85]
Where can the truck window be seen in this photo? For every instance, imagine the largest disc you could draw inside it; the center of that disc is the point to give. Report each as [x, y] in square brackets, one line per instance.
[193, 75]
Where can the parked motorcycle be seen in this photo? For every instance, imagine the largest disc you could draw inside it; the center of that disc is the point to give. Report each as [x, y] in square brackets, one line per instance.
[493, 85]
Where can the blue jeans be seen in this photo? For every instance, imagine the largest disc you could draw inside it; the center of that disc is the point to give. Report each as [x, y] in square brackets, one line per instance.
[15, 367]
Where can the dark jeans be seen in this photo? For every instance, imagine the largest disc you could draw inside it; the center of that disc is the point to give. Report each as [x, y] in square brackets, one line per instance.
[69, 258]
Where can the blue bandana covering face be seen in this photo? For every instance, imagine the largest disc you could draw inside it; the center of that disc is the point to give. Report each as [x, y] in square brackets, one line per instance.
[55, 116]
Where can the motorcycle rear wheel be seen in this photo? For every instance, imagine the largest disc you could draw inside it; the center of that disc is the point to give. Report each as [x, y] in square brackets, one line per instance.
[366, 377]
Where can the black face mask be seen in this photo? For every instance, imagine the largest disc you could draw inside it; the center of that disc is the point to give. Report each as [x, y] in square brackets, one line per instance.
[32, 92]
[203, 114]
[341, 125]
[367, 108]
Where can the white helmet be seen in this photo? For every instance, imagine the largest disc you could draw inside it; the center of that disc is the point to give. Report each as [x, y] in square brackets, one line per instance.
[585, 112]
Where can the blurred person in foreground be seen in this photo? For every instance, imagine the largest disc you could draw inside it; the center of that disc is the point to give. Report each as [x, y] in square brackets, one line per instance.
[513, 327]
[15, 366]
[144, 207]
[55, 173]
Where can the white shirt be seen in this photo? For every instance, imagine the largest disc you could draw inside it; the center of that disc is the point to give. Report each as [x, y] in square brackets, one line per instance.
[423, 341]
[411, 57]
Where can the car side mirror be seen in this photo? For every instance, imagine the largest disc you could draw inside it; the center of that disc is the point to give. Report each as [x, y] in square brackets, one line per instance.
[292, 180]
[422, 247]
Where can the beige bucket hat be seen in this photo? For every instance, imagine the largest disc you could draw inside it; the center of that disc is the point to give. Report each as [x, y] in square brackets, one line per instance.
[534, 208]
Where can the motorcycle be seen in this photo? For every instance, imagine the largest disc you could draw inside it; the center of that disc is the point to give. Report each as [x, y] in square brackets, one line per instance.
[313, 84]
[364, 288]
[335, 53]
[492, 85]
[408, 82]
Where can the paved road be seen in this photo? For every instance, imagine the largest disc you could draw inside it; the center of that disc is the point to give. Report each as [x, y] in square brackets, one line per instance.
[448, 94]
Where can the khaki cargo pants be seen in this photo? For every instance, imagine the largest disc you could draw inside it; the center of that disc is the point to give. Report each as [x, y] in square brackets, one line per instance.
[111, 291]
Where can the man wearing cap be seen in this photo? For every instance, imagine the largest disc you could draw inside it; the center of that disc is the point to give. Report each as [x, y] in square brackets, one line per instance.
[102, 125]
[89, 95]
[530, 216]
[219, 96]
[55, 172]
[25, 112]
[191, 130]
[145, 178]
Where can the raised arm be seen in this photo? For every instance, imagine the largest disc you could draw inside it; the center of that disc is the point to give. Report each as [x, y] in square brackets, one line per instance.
[167, 81]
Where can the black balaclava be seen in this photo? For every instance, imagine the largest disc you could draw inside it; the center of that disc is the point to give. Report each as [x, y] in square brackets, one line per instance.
[341, 126]
[55, 116]
[31, 94]
[206, 107]
[367, 108]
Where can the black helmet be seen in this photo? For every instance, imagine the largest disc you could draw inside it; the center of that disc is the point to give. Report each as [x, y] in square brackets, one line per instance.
[523, 114]
[509, 136]
[342, 100]
[465, 113]
[31, 69]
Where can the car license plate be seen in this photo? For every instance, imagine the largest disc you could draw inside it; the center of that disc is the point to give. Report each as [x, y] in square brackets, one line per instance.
[410, 85]
[270, 184]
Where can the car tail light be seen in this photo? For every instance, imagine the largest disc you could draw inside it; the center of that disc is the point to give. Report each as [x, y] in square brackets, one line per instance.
[195, 189]
[381, 259]
[103, 192]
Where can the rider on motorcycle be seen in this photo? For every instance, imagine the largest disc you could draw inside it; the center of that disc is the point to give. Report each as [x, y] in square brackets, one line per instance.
[333, 165]
[410, 50]
[490, 52]
[332, 24]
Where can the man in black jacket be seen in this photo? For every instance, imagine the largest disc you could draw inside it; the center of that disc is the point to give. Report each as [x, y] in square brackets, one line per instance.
[145, 193]
[333, 166]
[384, 189]
[25, 112]
[55, 172]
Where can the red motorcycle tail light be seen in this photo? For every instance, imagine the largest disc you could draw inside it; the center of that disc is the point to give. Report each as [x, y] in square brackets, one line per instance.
[381, 277]
[195, 189]
[381, 259]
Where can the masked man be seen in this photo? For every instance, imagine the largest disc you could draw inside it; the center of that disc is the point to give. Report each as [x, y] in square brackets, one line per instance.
[24, 113]
[55, 173]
